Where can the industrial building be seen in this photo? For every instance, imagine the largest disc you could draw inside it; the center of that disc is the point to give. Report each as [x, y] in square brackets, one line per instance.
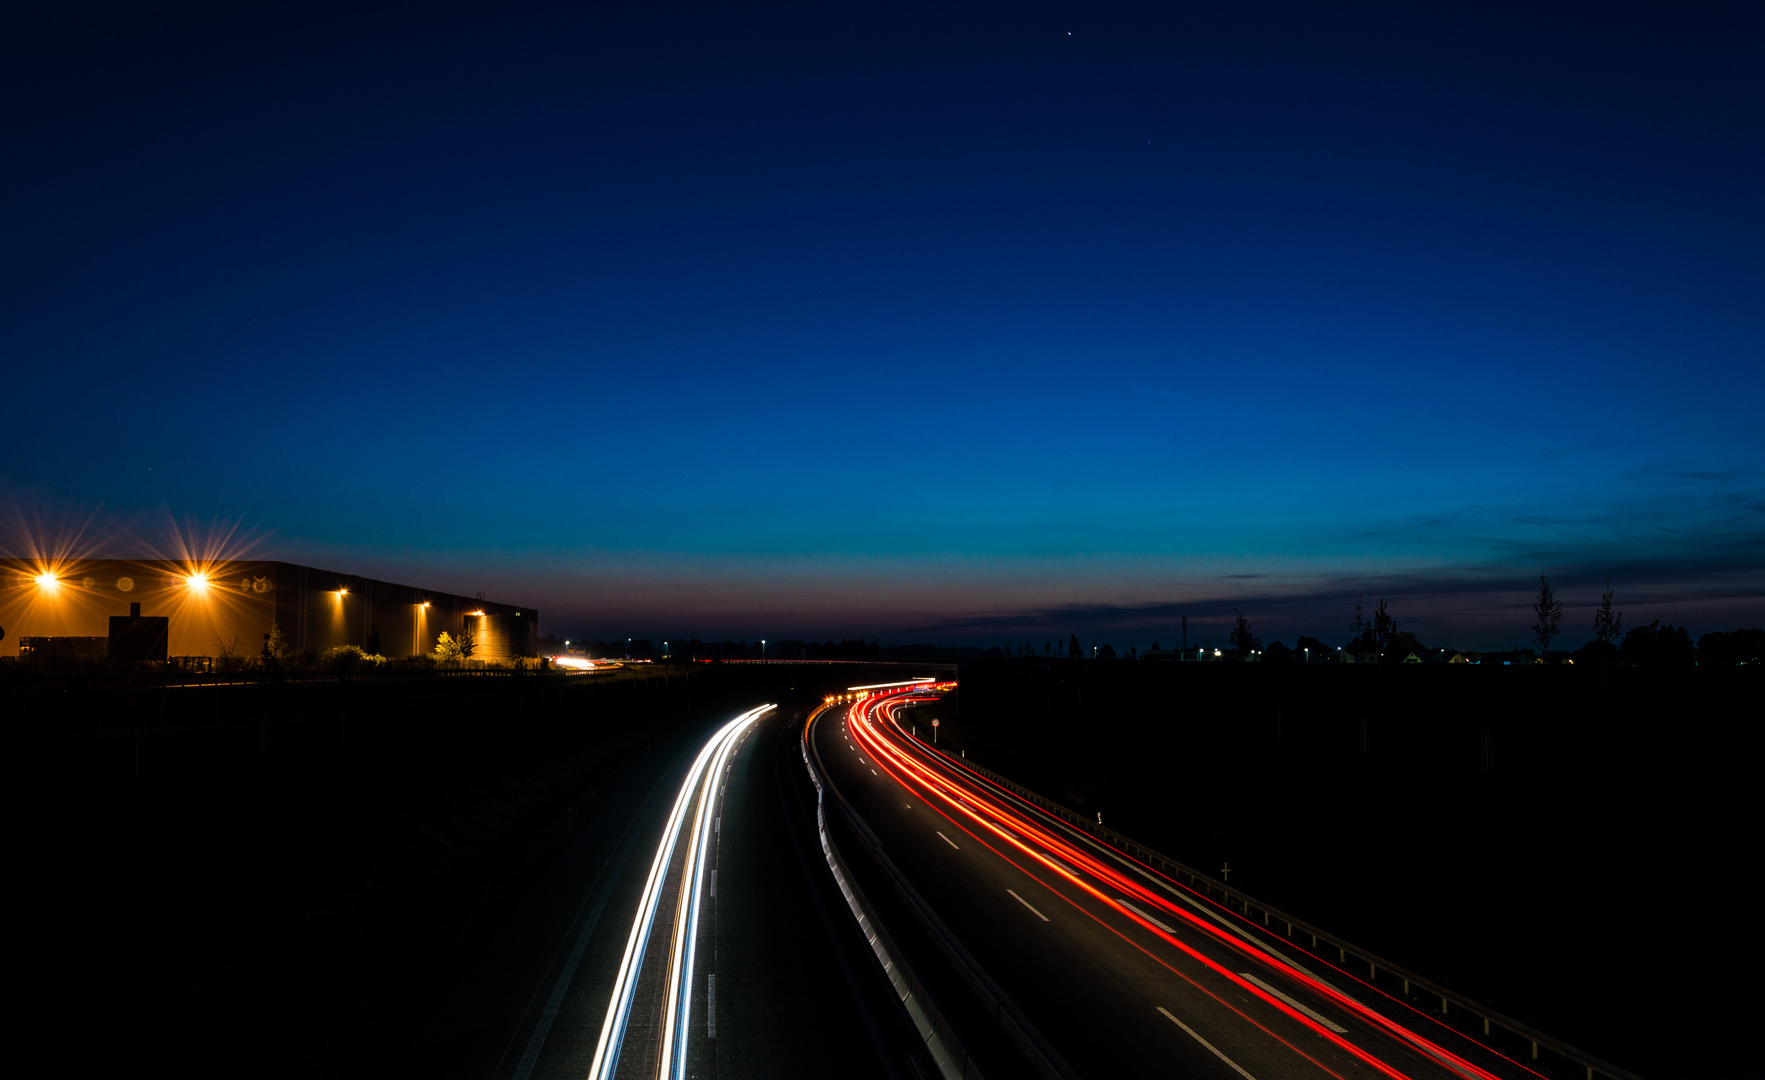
[82, 608]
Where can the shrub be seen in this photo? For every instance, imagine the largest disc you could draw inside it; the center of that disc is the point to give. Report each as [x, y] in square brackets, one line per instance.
[346, 657]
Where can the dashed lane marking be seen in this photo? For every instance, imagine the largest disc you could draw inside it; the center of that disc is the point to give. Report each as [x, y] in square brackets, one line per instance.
[1147, 917]
[1307, 1010]
[1237, 1068]
[1027, 904]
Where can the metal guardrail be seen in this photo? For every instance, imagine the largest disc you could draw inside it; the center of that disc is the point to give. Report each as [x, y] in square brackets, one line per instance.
[922, 1011]
[1037, 1051]
[1248, 907]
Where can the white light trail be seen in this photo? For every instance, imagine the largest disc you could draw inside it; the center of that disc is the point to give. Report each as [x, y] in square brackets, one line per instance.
[701, 780]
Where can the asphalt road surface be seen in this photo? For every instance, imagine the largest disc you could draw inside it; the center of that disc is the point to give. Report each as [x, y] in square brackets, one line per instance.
[1124, 972]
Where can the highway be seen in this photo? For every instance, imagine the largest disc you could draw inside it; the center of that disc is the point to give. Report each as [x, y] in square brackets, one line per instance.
[1122, 970]
[584, 972]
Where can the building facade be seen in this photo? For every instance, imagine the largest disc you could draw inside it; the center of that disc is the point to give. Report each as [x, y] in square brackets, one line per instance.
[227, 608]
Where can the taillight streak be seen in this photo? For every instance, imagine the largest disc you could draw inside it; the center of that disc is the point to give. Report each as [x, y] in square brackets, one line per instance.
[881, 747]
[1161, 962]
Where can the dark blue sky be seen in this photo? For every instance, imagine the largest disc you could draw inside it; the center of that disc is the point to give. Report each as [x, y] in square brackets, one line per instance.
[856, 318]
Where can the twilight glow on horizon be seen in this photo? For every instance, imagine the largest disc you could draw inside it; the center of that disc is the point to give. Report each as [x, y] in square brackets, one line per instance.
[943, 325]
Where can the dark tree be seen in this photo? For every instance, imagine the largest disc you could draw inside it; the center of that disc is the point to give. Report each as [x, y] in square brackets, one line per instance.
[1243, 641]
[1106, 652]
[373, 641]
[1657, 645]
[1277, 654]
[1720, 648]
[1359, 627]
[1073, 651]
[1550, 618]
[1384, 630]
[1606, 624]
[1403, 643]
[1318, 651]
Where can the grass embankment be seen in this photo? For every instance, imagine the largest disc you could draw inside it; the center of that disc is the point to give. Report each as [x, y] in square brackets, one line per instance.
[283, 883]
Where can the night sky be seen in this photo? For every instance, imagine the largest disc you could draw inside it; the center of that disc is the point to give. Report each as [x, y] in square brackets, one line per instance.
[965, 325]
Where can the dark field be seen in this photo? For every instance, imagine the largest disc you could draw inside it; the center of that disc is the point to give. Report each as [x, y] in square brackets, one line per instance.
[281, 879]
[1577, 857]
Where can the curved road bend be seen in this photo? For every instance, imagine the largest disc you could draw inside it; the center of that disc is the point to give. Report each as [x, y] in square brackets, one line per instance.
[1123, 972]
[794, 995]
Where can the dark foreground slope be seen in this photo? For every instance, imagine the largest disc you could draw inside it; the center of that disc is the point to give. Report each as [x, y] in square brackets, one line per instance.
[285, 879]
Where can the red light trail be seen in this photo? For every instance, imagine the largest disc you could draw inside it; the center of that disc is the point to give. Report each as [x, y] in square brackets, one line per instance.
[982, 811]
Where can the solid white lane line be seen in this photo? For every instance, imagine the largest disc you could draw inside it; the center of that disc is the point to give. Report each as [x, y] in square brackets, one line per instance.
[1237, 1068]
[1147, 917]
[1306, 1009]
[947, 840]
[1025, 903]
